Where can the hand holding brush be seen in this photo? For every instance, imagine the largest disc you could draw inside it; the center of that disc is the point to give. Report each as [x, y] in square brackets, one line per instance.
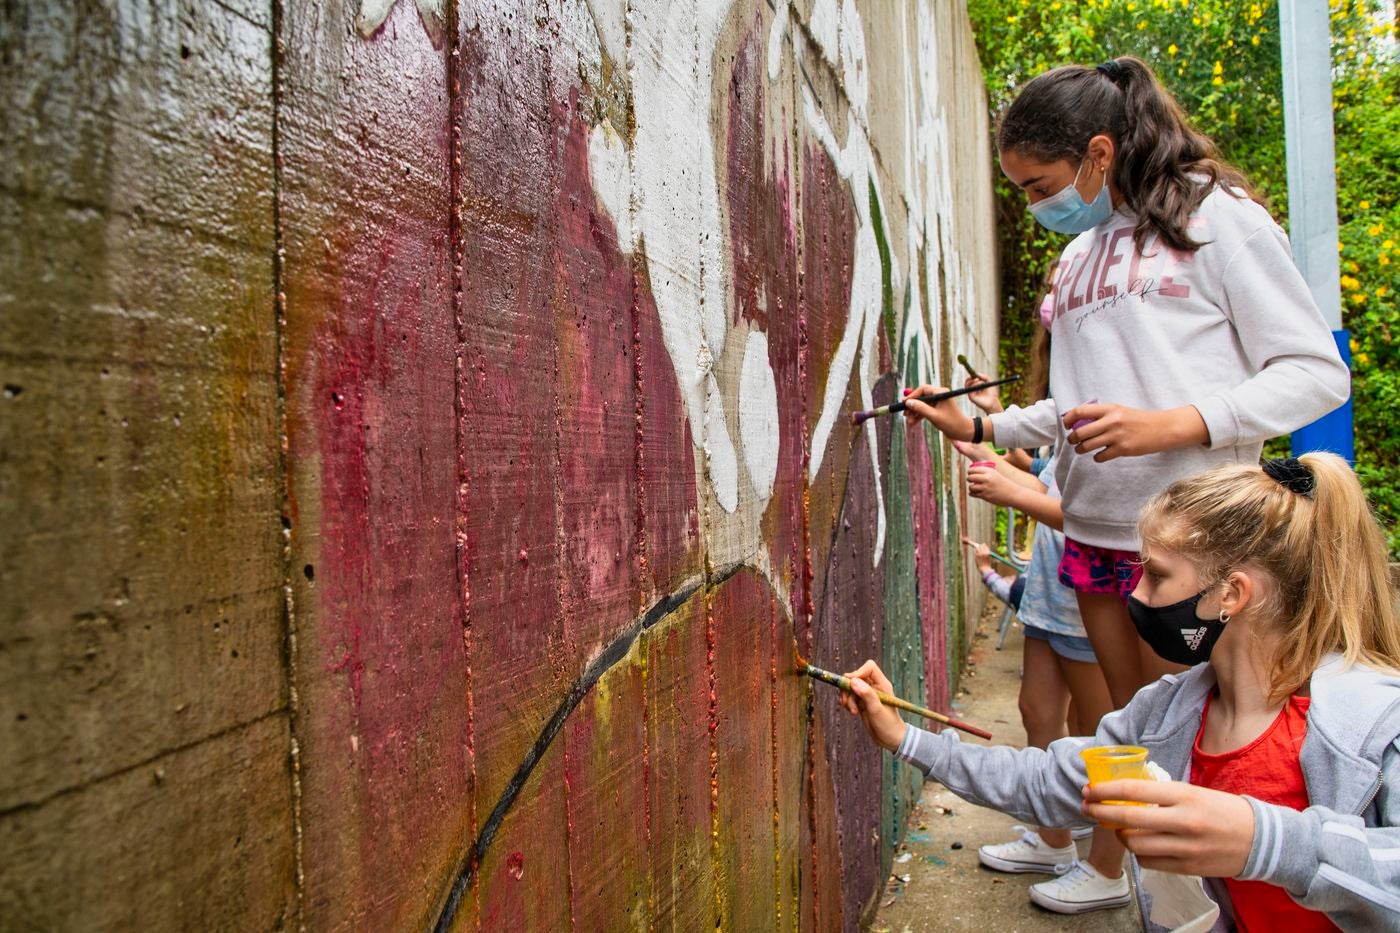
[879, 701]
[927, 396]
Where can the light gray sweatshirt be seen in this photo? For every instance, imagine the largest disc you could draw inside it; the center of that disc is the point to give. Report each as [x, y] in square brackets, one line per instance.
[1231, 329]
[1341, 855]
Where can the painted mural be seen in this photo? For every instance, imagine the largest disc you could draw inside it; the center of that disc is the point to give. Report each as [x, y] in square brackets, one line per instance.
[452, 506]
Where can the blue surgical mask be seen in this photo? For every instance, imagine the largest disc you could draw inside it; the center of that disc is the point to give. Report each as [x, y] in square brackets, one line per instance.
[1065, 210]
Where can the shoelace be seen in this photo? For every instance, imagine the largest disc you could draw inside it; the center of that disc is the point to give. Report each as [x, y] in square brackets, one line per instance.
[1030, 838]
[1066, 868]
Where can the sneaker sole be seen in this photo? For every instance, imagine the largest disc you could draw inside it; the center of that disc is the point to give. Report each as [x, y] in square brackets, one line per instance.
[1011, 867]
[1079, 907]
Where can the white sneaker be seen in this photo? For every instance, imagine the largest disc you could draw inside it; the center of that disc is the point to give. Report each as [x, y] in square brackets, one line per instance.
[1028, 853]
[1081, 889]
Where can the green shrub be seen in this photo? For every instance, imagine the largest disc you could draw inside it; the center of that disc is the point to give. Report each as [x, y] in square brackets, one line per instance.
[1221, 59]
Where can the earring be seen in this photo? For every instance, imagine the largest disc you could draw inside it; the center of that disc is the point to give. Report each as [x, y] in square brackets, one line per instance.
[1224, 617]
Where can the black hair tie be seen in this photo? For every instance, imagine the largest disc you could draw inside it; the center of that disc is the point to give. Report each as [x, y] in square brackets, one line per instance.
[1291, 473]
[1112, 71]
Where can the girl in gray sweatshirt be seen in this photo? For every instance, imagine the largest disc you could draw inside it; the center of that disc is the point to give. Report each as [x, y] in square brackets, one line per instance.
[1283, 739]
[1184, 336]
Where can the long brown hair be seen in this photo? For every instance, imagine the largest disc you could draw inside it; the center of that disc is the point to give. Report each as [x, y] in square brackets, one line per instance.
[1323, 556]
[1056, 113]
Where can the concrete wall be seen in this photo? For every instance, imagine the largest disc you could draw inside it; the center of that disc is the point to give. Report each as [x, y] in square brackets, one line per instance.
[424, 441]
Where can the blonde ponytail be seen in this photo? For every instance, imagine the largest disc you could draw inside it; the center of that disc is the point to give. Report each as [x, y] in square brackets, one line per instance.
[1316, 540]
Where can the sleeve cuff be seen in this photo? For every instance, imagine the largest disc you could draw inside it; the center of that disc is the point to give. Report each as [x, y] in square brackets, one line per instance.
[905, 752]
[1220, 421]
[1272, 858]
[1006, 431]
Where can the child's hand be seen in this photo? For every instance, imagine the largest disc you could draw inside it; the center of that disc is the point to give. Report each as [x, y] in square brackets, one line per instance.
[990, 486]
[975, 452]
[884, 724]
[989, 400]
[981, 554]
[1191, 830]
[1119, 431]
[945, 416]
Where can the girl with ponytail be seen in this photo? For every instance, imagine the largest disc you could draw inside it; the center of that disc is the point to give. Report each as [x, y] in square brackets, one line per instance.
[1184, 336]
[1282, 742]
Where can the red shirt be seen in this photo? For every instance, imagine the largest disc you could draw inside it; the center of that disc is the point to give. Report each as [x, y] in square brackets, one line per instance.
[1266, 769]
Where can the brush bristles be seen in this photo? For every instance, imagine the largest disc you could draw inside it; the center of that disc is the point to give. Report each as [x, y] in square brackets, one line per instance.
[860, 417]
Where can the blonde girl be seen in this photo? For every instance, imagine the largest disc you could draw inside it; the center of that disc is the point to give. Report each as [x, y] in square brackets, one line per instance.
[1282, 739]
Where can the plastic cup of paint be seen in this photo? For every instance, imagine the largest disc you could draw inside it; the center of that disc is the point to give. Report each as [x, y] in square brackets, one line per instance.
[989, 464]
[1083, 421]
[1116, 763]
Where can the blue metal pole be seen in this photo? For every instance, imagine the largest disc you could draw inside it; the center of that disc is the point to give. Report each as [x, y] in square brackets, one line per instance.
[1305, 44]
[1333, 431]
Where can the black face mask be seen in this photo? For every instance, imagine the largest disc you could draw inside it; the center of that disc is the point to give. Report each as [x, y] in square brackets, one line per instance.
[1175, 632]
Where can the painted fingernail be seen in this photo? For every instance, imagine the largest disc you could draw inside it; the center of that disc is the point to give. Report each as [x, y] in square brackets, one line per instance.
[908, 391]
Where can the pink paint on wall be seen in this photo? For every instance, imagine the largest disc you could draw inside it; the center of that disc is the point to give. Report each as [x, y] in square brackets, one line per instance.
[930, 570]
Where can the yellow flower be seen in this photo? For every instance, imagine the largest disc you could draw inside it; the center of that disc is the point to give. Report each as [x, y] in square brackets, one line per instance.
[1350, 283]
[1172, 49]
[1254, 40]
[1353, 267]
[1354, 345]
[1358, 298]
[1388, 244]
[1217, 70]
[1384, 259]
[1365, 205]
[1363, 359]
[1056, 5]
[1132, 7]
[1217, 80]
[1382, 291]
[1374, 230]
[1011, 19]
[1142, 24]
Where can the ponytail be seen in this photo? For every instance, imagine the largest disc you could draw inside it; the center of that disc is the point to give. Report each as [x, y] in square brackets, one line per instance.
[1307, 526]
[1158, 151]
[1348, 604]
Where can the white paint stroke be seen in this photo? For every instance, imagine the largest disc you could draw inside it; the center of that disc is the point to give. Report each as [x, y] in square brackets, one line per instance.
[610, 19]
[758, 416]
[775, 41]
[854, 164]
[676, 192]
[610, 171]
[722, 464]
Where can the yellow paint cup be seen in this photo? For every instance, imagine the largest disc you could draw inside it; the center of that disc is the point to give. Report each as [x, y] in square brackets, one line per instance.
[1114, 763]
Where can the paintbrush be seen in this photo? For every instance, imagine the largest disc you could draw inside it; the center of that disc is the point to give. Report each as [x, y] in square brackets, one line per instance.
[967, 366]
[858, 417]
[844, 683]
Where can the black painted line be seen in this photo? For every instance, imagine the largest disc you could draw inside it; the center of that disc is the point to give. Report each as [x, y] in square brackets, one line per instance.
[616, 650]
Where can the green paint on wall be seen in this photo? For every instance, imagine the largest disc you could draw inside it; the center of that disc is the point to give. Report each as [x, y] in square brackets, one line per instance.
[877, 221]
[902, 645]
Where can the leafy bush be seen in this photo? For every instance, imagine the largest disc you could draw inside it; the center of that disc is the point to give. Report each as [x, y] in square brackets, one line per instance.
[1221, 60]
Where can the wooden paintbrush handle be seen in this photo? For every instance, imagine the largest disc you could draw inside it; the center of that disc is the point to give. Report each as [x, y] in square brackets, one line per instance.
[897, 703]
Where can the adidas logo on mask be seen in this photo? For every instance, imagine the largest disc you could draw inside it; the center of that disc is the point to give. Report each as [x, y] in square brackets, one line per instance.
[1193, 637]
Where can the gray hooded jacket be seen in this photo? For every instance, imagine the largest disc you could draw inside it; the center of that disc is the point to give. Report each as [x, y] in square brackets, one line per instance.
[1341, 855]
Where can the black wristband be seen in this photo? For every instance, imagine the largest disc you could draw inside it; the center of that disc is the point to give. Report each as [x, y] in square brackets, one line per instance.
[977, 430]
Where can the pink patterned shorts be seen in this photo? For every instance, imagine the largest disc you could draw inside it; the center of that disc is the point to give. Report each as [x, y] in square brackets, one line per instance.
[1087, 568]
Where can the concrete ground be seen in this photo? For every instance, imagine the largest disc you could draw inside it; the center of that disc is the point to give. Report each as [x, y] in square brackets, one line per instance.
[941, 886]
